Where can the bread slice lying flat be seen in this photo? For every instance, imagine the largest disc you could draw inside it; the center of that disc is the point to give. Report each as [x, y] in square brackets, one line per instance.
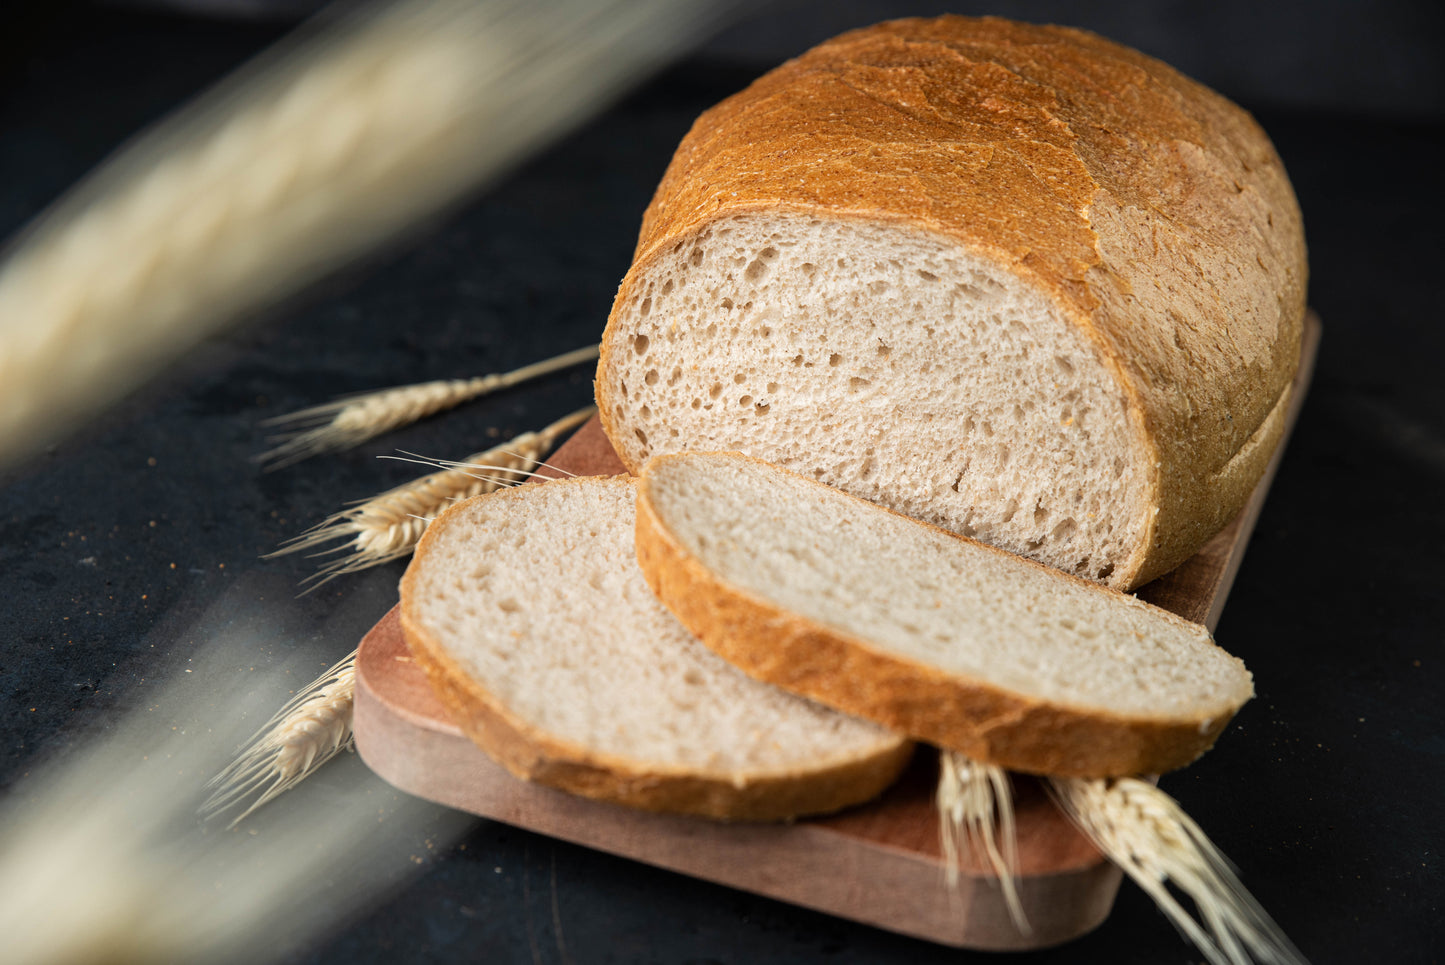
[926, 632]
[528, 612]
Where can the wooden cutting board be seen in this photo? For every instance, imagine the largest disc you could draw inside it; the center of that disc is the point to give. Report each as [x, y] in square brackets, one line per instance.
[880, 864]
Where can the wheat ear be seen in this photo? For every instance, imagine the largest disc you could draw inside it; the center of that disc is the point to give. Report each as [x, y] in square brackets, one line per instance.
[309, 156]
[350, 421]
[387, 527]
[1147, 833]
[975, 811]
[312, 728]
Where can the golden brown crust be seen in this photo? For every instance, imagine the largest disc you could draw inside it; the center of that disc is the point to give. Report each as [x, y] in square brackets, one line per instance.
[533, 755]
[1154, 213]
[982, 721]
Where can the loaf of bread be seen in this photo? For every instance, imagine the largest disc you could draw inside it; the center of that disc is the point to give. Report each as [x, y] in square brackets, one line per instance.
[1019, 282]
[943, 638]
[528, 612]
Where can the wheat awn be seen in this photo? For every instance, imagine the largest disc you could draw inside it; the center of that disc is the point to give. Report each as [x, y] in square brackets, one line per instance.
[975, 811]
[346, 422]
[313, 727]
[1145, 832]
[387, 527]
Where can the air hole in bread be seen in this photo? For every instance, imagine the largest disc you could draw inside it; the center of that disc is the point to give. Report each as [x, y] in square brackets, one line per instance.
[1010, 510]
[834, 359]
[927, 275]
[726, 305]
[639, 344]
[761, 408]
[645, 308]
[645, 412]
[772, 387]
[641, 436]
[856, 384]
[509, 605]
[756, 271]
[651, 377]
[667, 287]
[1064, 529]
[883, 349]
[808, 268]
[696, 258]
[740, 378]
[745, 401]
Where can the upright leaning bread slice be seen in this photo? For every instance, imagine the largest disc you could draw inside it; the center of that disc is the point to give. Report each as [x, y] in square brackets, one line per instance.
[528, 613]
[1017, 281]
[941, 637]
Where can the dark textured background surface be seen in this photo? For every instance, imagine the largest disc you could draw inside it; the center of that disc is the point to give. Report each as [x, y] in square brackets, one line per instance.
[124, 546]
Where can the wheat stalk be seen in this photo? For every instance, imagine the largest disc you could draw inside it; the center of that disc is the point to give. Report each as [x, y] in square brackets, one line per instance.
[1145, 832]
[350, 421]
[387, 527]
[975, 810]
[312, 728]
[310, 156]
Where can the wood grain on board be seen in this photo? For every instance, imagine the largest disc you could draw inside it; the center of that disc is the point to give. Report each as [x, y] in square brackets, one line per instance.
[880, 863]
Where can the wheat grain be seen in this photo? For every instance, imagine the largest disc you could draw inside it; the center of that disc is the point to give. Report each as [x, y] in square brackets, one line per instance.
[1145, 832]
[975, 810]
[348, 422]
[313, 727]
[387, 527]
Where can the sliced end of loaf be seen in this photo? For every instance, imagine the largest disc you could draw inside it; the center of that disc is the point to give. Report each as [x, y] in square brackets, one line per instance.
[940, 637]
[897, 365]
[529, 615]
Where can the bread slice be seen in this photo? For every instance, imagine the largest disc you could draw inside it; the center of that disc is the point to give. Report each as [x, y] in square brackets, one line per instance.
[941, 637]
[1019, 282]
[527, 610]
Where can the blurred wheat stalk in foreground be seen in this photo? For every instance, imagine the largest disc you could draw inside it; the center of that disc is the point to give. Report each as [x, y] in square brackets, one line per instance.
[102, 858]
[310, 155]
